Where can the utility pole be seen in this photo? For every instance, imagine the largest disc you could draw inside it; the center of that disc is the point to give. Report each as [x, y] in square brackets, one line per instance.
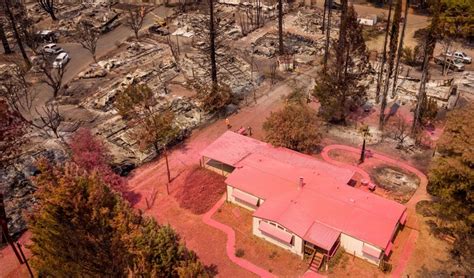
[365, 132]
[18, 244]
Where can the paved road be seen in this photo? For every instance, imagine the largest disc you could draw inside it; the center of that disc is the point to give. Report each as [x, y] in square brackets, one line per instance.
[81, 58]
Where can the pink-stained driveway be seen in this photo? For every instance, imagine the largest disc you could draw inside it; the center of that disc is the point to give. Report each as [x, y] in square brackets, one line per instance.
[230, 245]
[420, 194]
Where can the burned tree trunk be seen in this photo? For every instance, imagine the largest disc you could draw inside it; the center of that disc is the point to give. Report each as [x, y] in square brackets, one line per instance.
[428, 53]
[384, 54]
[11, 17]
[281, 48]
[212, 44]
[3, 37]
[328, 36]
[400, 49]
[323, 27]
[48, 6]
[391, 60]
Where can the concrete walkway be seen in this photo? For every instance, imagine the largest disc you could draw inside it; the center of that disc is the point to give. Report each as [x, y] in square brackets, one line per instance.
[230, 245]
[419, 195]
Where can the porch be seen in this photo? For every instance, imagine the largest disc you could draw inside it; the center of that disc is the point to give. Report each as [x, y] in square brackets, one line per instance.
[216, 166]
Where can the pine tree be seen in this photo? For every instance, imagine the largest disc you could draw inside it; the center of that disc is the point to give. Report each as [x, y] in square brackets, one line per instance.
[451, 181]
[81, 228]
[400, 49]
[430, 43]
[73, 229]
[384, 54]
[394, 32]
[338, 85]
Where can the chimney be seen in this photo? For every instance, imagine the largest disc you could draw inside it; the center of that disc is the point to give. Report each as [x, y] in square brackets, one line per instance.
[301, 184]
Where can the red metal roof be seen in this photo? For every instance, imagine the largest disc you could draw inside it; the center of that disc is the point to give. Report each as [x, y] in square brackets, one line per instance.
[403, 219]
[273, 174]
[275, 232]
[388, 249]
[322, 235]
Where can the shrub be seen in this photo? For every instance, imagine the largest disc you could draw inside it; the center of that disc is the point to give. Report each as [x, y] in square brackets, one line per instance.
[385, 267]
[239, 253]
[337, 257]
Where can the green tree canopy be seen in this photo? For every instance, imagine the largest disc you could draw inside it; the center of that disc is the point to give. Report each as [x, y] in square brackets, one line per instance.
[82, 228]
[451, 180]
[338, 86]
[296, 127]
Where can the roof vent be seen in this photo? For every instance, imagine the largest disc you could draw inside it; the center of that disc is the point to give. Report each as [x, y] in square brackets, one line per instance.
[301, 184]
[352, 200]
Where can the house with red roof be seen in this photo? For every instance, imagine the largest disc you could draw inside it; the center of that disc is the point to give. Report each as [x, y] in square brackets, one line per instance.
[302, 204]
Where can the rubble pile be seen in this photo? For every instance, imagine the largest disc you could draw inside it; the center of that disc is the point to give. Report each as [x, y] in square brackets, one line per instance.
[309, 21]
[102, 18]
[145, 62]
[195, 24]
[232, 71]
[18, 189]
[267, 45]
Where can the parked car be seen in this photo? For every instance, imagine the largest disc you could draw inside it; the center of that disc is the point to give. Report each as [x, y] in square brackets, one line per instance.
[61, 60]
[46, 36]
[453, 64]
[52, 49]
[460, 55]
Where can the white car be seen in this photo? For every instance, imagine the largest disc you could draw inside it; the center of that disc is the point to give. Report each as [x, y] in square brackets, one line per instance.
[61, 60]
[461, 56]
[52, 48]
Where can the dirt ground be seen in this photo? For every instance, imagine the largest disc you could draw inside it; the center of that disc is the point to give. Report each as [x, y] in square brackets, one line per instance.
[264, 254]
[401, 184]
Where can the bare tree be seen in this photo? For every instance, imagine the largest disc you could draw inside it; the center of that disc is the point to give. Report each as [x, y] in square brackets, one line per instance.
[212, 44]
[400, 49]
[28, 31]
[391, 59]
[323, 26]
[328, 34]
[87, 35]
[51, 76]
[399, 130]
[6, 46]
[50, 118]
[384, 53]
[428, 53]
[6, 6]
[48, 6]
[19, 96]
[281, 47]
[135, 18]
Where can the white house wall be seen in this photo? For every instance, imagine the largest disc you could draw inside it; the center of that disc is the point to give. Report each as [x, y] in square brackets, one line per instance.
[296, 248]
[232, 199]
[354, 246]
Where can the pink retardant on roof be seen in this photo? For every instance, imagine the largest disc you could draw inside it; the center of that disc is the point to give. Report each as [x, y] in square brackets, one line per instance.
[388, 249]
[371, 251]
[275, 232]
[273, 174]
[403, 220]
[249, 199]
[231, 147]
[322, 235]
